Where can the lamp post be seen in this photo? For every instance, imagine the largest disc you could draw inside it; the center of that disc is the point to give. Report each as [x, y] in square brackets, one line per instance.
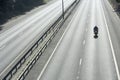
[63, 8]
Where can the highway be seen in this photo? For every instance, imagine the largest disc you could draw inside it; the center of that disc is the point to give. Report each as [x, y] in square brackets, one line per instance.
[78, 55]
[16, 41]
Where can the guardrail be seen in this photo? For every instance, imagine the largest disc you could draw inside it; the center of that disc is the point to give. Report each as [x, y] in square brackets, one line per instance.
[44, 40]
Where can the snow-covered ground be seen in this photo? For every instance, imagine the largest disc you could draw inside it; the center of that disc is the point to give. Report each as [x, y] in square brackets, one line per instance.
[17, 19]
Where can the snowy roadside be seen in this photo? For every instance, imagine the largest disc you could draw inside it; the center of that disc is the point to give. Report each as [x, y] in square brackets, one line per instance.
[115, 6]
[10, 23]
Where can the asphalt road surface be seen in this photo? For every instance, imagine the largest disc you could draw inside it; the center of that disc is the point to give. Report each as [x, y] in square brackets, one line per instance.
[15, 41]
[113, 23]
[78, 55]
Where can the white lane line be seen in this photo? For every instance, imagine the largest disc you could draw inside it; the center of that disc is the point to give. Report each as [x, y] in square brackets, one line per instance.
[80, 62]
[39, 77]
[113, 53]
[50, 58]
[84, 42]
[112, 9]
[111, 6]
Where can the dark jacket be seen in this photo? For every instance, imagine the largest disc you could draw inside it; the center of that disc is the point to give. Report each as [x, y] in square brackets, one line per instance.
[95, 30]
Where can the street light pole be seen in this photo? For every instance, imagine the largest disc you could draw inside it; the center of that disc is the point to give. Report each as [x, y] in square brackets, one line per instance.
[63, 8]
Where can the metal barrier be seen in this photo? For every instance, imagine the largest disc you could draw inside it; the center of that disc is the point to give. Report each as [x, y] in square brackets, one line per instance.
[34, 47]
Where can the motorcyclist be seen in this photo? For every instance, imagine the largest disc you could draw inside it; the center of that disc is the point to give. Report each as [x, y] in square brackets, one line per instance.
[95, 32]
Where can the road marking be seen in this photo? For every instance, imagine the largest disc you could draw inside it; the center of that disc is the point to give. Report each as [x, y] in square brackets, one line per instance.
[80, 62]
[84, 42]
[39, 77]
[111, 45]
[112, 9]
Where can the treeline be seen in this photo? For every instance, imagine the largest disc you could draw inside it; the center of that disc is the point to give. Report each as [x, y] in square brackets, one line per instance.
[11, 8]
[118, 1]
